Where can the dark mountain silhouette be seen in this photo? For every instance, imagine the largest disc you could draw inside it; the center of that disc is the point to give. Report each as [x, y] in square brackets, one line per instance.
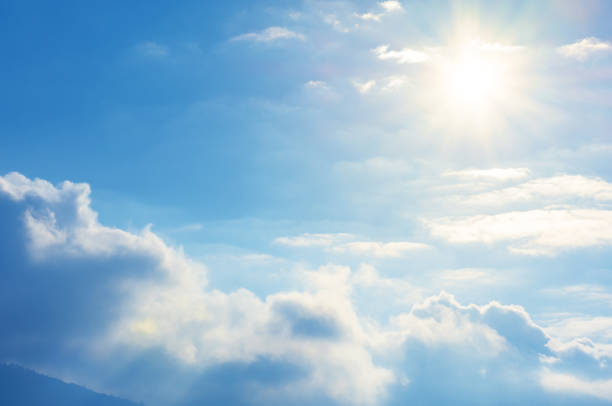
[23, 387]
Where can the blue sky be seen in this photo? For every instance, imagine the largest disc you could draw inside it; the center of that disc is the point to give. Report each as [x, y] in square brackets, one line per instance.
[300, 202]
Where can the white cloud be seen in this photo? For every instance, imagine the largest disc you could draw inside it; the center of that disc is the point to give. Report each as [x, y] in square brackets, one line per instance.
[466, 275]
[532, 232]
[365, 87]
[344, 243]
[270, 34]
[486, 331]
[542, 216]
[389, 83]
[378, 249]
[556, 189]
[567, 383]
[391, 6]
[588, 292]
[388, 7]
[170, 308]
[313, 240]
[17, 187]
[158, 303]
[498, 174]
[316, 84]
[406, 55]
[566, 327]
[585, 48]
[369, 16]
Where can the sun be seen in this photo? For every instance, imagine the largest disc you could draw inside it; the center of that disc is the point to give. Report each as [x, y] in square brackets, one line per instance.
[475, 86]
[473, 81]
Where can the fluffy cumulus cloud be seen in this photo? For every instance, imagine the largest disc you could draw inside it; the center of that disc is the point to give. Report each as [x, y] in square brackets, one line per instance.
[127, 314]
[585, 48]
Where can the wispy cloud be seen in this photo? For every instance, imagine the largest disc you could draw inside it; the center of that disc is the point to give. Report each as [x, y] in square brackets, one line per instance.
[369, 16]
[153, 49]
[187, 228]
[394, 82]
[405, 55]
[495, 47]
[336, 24]
[378, 249]
[316, 84]
[563, 189]
[379, 167]
[270, 34]
[500, 174]
[531, 232]
[344, 243]
[567, 383]
[583, 49]
[313, 240]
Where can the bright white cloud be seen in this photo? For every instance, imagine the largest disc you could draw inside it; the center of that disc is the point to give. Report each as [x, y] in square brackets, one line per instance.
[542, 216]
[403, 56]
[270, 34]
[391, 6]
[556, 189]
[532, 232]
[585, 48]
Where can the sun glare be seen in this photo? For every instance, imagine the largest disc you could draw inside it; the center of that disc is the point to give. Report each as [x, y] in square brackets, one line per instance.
[473, 81]
[476, 85]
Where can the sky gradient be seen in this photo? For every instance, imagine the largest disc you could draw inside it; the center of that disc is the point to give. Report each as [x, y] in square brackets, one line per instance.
[309, 202]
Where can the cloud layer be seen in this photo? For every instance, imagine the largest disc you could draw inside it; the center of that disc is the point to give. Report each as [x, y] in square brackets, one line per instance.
[82, 299]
